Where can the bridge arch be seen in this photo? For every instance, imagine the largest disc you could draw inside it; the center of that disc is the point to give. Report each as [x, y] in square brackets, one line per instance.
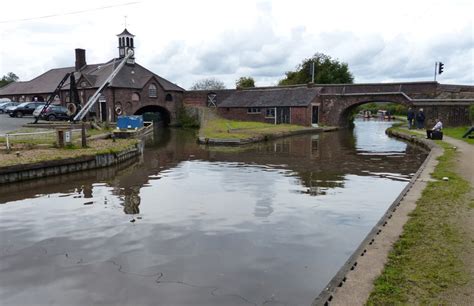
[348, 104]
[155, 113]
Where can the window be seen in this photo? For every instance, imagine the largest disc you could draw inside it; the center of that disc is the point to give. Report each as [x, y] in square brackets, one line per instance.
[169, 97]
[152, 91]
[270, 113]
[253, 110]
[135, 97]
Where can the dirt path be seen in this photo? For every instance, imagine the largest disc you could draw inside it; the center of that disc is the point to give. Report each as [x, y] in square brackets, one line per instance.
[359, 282]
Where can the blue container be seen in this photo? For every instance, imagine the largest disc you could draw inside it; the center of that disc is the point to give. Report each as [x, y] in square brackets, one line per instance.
[129, 122]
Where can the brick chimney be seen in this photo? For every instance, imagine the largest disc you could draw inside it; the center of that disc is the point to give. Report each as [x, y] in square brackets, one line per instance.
[80, 59]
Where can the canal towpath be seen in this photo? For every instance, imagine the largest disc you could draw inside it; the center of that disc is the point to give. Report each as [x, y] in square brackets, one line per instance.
[360, 281]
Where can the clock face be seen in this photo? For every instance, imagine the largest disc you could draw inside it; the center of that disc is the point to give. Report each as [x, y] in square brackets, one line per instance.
[83, 84]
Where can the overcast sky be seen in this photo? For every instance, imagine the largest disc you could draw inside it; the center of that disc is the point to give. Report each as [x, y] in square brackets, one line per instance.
[184, 41]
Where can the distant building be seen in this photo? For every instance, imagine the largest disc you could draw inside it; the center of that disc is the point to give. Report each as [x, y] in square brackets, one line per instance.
[284, 104]
[135, 90]
[272, 105]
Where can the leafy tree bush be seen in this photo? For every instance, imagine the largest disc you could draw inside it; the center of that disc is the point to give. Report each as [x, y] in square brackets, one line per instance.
[8, 78]
[209, 83]
[186, 120]
[327, 71]
[245, 82]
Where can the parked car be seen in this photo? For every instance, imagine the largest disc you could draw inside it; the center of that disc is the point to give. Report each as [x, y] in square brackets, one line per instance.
[25, 108]
[4, 105]
[52, 112]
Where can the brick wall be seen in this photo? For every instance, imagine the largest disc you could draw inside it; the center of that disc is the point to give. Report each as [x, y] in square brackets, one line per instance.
[301, 115]
[199, 97]
[237, 113]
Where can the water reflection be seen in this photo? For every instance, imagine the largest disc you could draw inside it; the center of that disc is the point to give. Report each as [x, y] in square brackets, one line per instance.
[266, 223]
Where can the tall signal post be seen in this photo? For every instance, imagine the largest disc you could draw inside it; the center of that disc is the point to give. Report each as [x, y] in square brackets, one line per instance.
[439, 68]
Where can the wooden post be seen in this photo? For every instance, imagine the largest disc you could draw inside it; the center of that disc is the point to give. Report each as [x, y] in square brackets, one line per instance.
[83, 135]
[60, 138]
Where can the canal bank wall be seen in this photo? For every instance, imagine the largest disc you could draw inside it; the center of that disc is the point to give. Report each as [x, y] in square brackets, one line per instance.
[17, 173]
[353, 283]
[261, 138]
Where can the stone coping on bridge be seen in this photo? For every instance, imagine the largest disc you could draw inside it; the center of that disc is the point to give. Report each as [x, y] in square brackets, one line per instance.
[22, 172]
[260, 138]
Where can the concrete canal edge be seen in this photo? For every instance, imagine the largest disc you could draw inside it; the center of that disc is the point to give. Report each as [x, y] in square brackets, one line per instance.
[261, 138]
[353, 283]
[17, 173]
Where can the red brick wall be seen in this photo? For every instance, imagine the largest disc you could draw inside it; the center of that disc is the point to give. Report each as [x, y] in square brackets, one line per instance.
[241, 114]
[301, 115]
[199, 97]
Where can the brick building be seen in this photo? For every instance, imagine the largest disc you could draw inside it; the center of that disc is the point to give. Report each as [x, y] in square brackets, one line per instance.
[276, 105]
[135, 89]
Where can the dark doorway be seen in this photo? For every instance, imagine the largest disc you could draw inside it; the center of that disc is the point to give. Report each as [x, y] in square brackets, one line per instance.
[155, 113]
[38, 98]
[103, 111]
[283, 115]
[315, 114]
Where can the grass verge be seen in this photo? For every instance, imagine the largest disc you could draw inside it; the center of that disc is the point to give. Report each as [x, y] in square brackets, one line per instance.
[219, 128]
[100, 146]
[425, 261]
[457, 132]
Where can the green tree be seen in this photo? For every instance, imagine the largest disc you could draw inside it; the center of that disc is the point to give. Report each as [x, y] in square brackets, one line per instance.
[206, 84]
[327, 71]
[244, 82]
[8, 78]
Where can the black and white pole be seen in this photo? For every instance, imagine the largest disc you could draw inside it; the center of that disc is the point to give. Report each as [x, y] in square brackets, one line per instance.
[435, 71]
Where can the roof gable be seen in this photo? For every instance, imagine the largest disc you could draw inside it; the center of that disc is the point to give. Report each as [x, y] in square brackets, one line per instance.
[130, 76]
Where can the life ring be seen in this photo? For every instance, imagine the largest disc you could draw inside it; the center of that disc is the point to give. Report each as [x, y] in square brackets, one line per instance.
[118, 109]
[71, 109]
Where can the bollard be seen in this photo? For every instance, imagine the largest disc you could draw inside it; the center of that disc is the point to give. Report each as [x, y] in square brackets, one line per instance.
[60, 138]
[8, 142]
[83, 136]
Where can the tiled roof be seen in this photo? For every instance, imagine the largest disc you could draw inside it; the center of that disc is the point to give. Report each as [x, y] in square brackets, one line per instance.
[130, 76]
[125, 32]
[271, 97]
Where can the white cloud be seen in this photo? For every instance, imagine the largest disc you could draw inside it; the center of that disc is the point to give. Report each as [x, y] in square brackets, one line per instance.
[187, 40]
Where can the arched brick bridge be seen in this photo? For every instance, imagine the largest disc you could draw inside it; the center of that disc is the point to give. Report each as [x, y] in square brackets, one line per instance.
[450, 103]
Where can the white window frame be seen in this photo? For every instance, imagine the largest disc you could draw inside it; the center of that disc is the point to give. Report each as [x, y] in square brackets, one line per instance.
[152, 92]
[271, 109]
[254, 110]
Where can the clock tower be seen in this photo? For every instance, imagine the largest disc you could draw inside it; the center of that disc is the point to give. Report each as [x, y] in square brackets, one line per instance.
[125, 40]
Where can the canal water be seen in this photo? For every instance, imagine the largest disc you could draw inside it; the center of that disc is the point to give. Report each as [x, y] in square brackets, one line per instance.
[269, 223]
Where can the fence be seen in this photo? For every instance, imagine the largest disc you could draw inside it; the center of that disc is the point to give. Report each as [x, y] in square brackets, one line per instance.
[35, 138]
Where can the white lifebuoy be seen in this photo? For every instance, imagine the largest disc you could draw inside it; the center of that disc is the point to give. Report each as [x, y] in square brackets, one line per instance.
[71, 109]
[118, 110]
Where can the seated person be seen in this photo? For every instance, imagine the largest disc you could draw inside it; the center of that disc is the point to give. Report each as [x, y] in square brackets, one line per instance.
[438, 127]
[468, 132]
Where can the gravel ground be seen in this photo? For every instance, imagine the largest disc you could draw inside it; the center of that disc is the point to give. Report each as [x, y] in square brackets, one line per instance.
[8, 124]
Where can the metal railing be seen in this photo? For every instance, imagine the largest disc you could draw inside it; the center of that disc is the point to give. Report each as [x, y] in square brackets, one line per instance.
[42, 137]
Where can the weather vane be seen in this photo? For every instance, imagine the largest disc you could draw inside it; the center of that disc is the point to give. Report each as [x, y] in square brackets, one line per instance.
[125, 21]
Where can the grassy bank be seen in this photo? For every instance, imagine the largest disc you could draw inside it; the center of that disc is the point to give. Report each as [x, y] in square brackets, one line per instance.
[426, 262]
[36, 155]
[457, 132]
[219, 128]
